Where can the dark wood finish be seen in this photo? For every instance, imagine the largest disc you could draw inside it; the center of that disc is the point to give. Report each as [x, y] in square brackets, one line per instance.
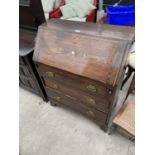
[73, 103]
[31, 16]
[26, 41]
[89, 86]
[77, 48]
[81, 65]
[28, 76]
[24, 2]
[83, 95]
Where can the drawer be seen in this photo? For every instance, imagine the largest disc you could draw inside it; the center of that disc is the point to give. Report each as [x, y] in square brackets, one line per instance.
[87, 85]
[100, 104]
[92, 113]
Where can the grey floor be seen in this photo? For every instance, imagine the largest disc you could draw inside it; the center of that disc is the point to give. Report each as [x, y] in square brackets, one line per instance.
[47, 130]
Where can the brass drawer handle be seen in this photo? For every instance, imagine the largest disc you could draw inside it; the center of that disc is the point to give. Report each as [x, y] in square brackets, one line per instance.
[75, 40]
[53, 85]
[57, 98]
[91, 88]
[90, 113]
[50, 74]
[91, 101]
[71, 97]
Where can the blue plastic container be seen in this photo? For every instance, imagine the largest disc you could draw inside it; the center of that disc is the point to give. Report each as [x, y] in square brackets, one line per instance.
[121, 15]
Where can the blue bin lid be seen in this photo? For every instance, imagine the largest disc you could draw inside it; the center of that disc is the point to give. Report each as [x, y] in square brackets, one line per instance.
[120, 9]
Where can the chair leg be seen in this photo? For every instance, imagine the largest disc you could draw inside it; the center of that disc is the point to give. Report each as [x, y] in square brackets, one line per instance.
[130, 71]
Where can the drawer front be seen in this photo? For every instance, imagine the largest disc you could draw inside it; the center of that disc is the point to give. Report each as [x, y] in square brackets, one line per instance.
[100, 104]
[70, 102]
[81, 83]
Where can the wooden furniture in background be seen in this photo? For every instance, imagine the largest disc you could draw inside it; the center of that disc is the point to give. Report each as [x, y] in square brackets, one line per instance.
[31, 16]
[125, 118]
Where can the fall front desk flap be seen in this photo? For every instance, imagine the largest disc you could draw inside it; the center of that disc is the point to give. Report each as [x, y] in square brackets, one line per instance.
[95, 51]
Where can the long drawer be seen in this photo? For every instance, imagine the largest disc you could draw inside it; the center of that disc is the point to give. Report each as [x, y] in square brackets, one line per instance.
[63, 99]
[100, 104]
[86, 85]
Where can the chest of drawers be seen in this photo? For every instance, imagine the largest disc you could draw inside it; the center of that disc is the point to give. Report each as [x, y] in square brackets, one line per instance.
[81, 65]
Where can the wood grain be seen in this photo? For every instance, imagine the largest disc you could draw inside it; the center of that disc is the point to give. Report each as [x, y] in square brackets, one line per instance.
[81, 65]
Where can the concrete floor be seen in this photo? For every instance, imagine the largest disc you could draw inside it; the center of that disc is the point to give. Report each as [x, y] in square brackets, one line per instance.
[47, 130]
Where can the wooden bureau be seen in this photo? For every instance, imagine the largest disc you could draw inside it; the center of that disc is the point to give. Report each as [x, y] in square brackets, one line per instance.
[81, 65]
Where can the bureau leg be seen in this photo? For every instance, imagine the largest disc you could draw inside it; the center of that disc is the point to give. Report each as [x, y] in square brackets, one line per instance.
[53, 103]
[45, 99]
[111, 129]
[104, 128]
[132, 139]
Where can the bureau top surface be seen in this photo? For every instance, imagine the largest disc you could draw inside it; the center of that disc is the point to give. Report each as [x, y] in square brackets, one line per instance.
[91, 50]
[26, 41]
